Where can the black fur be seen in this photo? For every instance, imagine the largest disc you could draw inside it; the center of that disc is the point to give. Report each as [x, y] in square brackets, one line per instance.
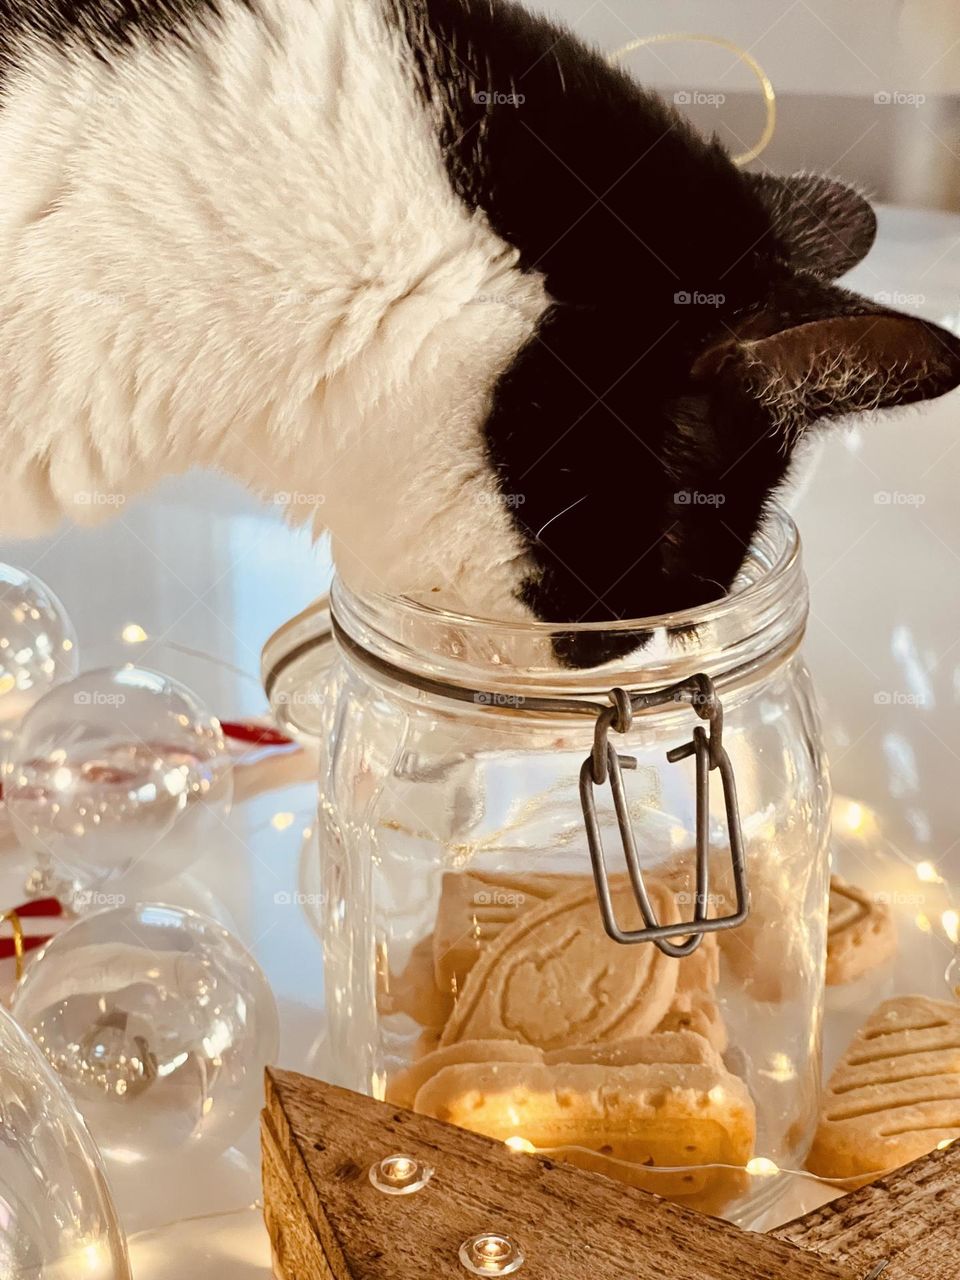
[104, 26]
[644, 463]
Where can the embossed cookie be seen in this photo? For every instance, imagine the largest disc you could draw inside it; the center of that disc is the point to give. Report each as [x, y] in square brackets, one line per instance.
[475, 908]
[629, 1119]
[861, 933]
[554, 979]
[895, 1094]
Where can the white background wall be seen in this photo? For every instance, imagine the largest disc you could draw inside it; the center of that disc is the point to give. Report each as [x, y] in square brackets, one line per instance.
[828, 63]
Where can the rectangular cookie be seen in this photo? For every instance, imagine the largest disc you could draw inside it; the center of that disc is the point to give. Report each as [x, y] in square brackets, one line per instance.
[624, 1121]
[403, 1087]
[676, 1047]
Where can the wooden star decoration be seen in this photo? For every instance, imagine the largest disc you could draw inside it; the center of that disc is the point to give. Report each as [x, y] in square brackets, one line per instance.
[327, 1221]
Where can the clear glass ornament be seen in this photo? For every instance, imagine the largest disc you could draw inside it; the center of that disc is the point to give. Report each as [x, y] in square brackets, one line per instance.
[103, 768]
[159, 1023]
[57, 1220]
[38, 646]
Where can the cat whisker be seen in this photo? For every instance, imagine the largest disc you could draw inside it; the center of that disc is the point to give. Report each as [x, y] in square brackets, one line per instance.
[558, 515]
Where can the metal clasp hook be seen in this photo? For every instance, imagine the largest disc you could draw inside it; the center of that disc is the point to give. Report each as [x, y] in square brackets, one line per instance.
[605, 764]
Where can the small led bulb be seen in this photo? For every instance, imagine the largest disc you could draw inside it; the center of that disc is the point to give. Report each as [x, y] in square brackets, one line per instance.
[761, 1167]
[400, 1175]
[521, 1146]
[491, 1254]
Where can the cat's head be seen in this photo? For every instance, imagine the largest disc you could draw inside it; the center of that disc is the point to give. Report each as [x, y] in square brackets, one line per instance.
[648, 440]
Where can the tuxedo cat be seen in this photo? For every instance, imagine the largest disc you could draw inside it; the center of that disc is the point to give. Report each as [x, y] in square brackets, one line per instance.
[433, 271]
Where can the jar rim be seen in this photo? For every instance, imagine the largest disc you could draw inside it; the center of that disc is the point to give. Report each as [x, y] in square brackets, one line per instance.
[778, 528]
[753, 628]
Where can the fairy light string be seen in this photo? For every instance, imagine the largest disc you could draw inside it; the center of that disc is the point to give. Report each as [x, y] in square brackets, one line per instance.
[747, 58]
[758, 1167]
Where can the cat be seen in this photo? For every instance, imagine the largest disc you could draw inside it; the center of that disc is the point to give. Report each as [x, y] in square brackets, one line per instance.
[433, 274]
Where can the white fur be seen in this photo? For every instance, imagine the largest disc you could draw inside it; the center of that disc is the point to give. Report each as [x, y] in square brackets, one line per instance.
[246, 254]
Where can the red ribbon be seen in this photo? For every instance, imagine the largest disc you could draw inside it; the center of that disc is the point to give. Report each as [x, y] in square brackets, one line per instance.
[39, 909]
[259, 735]
[8, 948]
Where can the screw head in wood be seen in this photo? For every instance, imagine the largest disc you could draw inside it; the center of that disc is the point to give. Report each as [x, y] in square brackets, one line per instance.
[491, 1254]
[400, 1175]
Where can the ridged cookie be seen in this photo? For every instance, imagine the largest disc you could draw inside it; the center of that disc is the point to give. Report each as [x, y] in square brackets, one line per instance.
[895, 1094]
[554, 979]
[861, 933]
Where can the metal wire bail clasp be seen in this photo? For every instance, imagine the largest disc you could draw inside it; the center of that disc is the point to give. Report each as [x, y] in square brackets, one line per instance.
[605, 764]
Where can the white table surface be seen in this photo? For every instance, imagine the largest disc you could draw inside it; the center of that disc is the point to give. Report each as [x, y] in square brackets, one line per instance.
[203, 565]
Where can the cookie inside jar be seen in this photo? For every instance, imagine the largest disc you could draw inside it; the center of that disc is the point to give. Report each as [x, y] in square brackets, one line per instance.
[542, 1032]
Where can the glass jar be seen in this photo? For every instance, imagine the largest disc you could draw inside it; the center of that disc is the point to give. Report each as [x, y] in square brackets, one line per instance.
[671, 1040]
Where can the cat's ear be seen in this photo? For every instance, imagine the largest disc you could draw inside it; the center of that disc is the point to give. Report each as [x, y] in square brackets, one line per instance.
[822, 226]
[828, 368]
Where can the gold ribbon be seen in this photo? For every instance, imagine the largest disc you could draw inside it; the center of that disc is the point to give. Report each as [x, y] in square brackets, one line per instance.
[13, 919]
[769, 94]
